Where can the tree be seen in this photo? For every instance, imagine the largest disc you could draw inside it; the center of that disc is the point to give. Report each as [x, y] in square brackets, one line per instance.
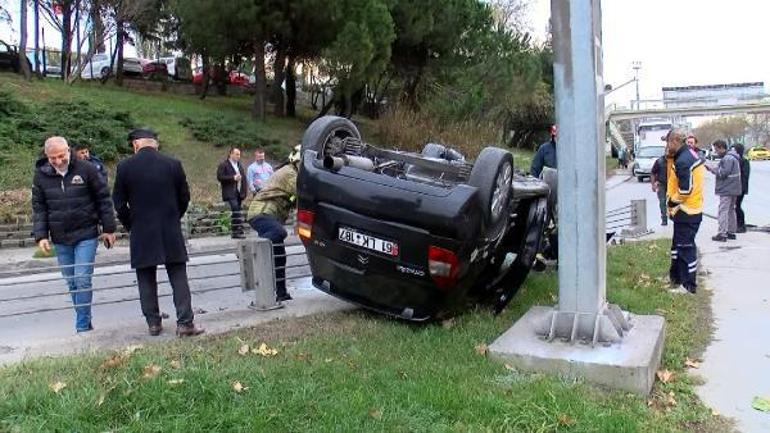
[23, 63]
[66, 26]
[5, 16]
[729, 128]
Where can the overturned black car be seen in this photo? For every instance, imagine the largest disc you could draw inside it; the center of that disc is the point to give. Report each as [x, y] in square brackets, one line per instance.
[414, 235]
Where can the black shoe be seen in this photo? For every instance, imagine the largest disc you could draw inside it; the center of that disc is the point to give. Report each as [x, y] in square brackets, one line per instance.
[238, 236]
[283, 298]
[741, 230]
[664, 223]
[719, 238]
[155, 330]
[731, 236]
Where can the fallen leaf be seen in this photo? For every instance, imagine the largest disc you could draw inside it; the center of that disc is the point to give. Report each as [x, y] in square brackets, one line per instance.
[150, 371]
[129, 350]
[376, 414]
[761, 403]
[176, 365]
[264, 350]
[113, 361]
[509, 367]
[175, 381]
[566, 420]
[689, 363]
[644, 277]
[714, 413]
[448, 324]
[327, 360]
[244, 350]
[665, 376]
[238, 387]
[481, 349]
[100, 402]
[56, 387]
[670, 400]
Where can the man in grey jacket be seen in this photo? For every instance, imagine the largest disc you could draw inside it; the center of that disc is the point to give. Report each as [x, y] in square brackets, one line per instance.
[728, 188]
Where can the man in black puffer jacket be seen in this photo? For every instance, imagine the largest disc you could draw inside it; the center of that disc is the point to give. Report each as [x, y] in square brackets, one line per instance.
[70, 200]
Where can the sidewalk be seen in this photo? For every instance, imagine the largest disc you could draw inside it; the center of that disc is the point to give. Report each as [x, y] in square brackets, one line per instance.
[20, 259]
[736, 366]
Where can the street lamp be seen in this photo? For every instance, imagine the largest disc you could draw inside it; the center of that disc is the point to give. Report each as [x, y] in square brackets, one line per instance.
[636, 65]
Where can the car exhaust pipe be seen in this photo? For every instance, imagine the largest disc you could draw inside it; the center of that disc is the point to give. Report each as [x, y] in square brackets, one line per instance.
[334, 163]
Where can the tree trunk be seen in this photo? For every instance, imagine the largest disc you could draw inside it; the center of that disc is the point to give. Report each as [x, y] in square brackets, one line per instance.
[222, 78]
[279, 70]
[36, 9]
[78, 49]
[98, 27]
[206, 76]
[260, 84]
[119, 41]
[66, 41]
[23, 63]
[291, 88]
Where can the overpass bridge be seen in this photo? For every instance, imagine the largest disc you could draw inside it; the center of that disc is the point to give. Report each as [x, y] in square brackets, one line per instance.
[694, 111]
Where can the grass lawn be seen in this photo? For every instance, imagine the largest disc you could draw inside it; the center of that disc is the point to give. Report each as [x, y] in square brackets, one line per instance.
[163, 112]
[357, 372]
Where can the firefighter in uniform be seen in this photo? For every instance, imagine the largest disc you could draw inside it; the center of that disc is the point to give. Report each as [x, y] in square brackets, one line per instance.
[269, 211]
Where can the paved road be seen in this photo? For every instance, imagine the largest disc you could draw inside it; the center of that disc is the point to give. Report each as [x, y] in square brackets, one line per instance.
[208, 274]
[736, 364]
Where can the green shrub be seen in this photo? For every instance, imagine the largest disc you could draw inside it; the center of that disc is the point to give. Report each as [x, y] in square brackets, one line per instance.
[24, 128]
[227, 133]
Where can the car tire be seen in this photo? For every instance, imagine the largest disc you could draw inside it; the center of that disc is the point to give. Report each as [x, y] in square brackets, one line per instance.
[640, 179]
[492, 174]
[318, 135]
[105, 72]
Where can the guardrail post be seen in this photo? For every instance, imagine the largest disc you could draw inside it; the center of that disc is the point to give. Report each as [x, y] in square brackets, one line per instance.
[256, 261]
[638, 226]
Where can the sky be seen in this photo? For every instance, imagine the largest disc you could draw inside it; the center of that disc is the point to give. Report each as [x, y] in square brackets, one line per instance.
[678, 42]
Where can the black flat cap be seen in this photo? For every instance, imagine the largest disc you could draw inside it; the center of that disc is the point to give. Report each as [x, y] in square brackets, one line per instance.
[141, 133]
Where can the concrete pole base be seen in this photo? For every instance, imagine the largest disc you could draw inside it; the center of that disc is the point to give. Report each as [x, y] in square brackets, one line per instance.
[629, 364]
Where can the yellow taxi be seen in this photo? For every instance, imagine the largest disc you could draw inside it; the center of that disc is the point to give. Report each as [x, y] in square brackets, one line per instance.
[758, 153]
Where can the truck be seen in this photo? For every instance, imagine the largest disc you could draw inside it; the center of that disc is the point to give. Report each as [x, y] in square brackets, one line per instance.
[415, 235]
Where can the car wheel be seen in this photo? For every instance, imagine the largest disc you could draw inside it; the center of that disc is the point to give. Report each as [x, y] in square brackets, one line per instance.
[105, 72]
[492, 174]
[327, 136]
[640, 179]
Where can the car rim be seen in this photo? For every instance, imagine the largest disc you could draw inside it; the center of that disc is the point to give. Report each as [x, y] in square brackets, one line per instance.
[334, 144]
[502, 190]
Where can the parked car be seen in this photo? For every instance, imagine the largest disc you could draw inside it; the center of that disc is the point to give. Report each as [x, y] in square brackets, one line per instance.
[414, 235]
[178, 68]
[154, 69]
[758, 153]
[645, 157]
[234, 78]
[132, 66]
[97, 68]
[10, 58]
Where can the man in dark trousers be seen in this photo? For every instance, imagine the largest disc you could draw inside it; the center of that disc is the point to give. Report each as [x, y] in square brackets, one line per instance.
[685, 208]
[659, 181]
[745, 172]
[269, 211]
[151, 196]
[546, 154]
[232, 177]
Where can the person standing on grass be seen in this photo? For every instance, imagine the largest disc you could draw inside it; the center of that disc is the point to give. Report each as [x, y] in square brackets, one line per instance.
[235, 188]
[745, 173]
[659, 181]
[684, 194]
[728, 187]
[70, 200]
[268, 213]
[151, 196]
[83, 153]
[546, 154]
[258, 172]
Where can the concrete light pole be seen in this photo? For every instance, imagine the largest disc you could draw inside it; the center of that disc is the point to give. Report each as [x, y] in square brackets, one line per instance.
[636, 65]
[582, 335]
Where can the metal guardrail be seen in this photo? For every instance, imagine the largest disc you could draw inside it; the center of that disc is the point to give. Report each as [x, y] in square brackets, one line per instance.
[253, 257]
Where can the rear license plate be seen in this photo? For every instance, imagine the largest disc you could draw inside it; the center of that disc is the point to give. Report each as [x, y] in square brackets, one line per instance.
[354, 237]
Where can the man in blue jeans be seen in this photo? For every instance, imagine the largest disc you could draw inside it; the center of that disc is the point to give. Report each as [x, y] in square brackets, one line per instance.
[70, 200]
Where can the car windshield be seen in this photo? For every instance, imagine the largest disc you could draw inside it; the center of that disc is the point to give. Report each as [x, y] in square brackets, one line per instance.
[651, 152]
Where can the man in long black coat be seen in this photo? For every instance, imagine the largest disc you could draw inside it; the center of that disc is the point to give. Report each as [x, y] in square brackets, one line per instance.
[151, 195]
